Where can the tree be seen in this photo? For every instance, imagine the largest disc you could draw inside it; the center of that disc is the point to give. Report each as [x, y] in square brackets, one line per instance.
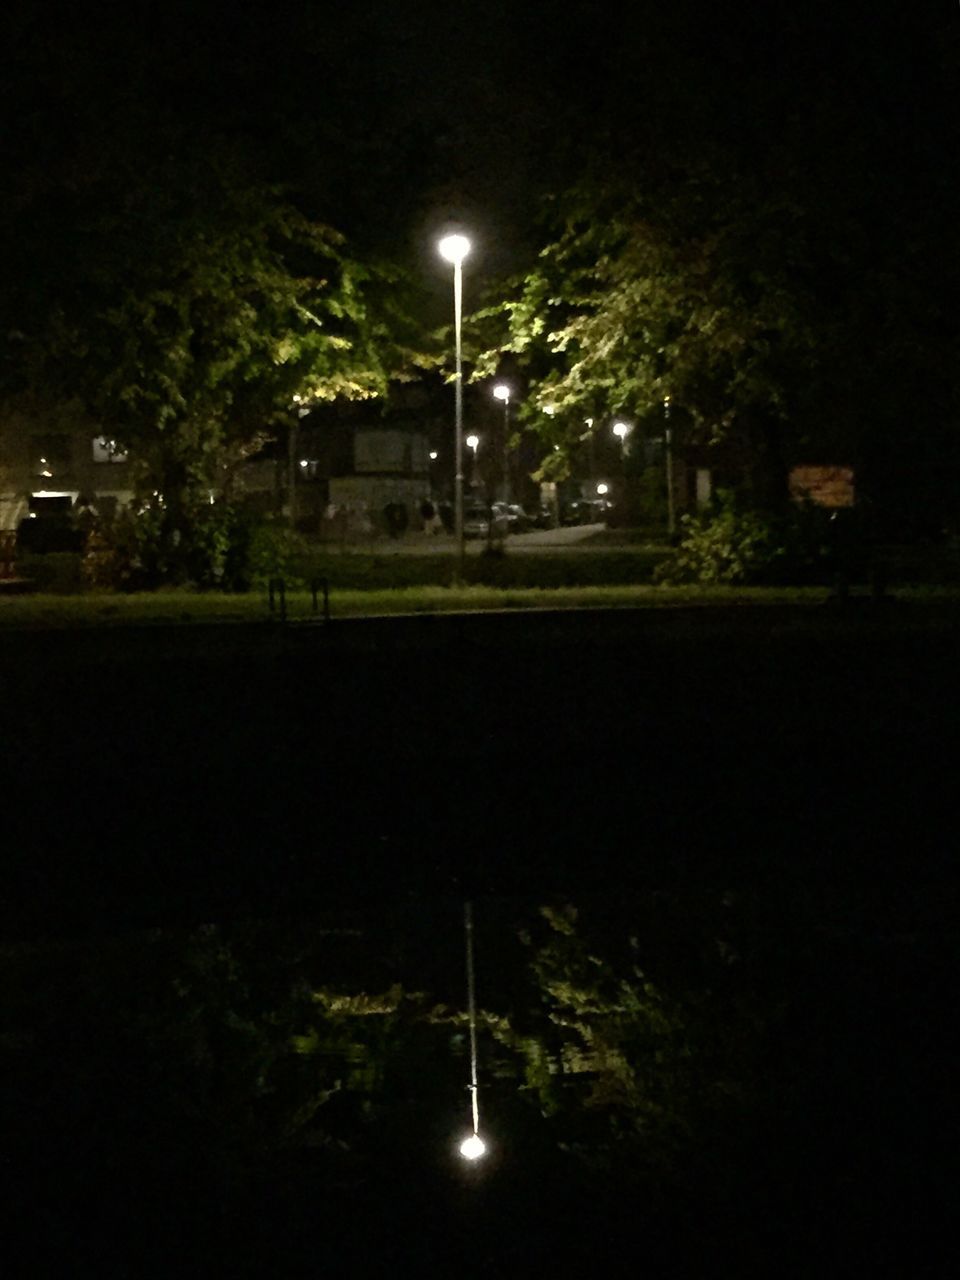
[189, 310]
[694, 297]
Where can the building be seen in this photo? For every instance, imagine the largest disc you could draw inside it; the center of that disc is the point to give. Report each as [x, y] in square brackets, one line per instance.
[45, 462]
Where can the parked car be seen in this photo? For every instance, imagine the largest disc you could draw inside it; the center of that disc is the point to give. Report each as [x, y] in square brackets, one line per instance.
[478, 519]
[50, 526]
[517, 519]
[585, 511]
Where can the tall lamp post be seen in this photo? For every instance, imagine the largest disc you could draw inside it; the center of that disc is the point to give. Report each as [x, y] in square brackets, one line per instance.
[502, 392]
[668, 447]
[454, 249]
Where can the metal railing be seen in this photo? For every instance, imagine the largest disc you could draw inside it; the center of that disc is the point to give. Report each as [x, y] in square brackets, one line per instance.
[277, 595]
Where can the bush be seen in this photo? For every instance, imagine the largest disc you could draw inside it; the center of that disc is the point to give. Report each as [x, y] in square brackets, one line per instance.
[725, 544]
[57, 571]
[275, 551]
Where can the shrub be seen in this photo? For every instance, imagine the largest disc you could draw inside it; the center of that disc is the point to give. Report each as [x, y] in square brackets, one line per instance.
[726, 543]
[275, 551]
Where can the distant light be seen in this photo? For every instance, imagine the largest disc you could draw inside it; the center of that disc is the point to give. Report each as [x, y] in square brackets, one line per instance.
[33, 515]
[304, 462]
[621, 429]
[602, 489]
[502, 392]
[433, 455]
[588, 422]
[454, 248]
[296, 399]
[48, 474]
[43, 462]
[472, 442]
[473, 1148]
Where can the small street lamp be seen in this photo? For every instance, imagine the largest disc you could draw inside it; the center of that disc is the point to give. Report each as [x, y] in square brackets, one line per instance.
[502, 392]
[454, 249]
[473, 443]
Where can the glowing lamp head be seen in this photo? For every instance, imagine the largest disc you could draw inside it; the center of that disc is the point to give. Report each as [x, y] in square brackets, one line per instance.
[502, 392]
[473, 1148]
[454, 249]
[602, 489]
[433, 455]
[472, 442]
[620, 429]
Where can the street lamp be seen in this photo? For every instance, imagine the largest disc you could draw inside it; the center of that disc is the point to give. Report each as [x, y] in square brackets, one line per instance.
[454, 249]
[473, 443]
[668, 447]
[502, 392]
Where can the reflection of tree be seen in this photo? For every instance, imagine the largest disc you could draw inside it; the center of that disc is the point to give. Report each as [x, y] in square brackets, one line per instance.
[225, 1057]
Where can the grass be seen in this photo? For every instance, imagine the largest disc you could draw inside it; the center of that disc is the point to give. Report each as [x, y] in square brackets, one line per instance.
[193, 607]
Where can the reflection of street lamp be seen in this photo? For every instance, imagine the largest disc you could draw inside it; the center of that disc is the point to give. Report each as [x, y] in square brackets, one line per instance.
[473, 1147]
[473, 442]
[502, 392]
[455, 249]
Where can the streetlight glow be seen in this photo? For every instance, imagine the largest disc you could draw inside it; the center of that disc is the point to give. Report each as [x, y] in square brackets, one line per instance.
[602, 489]
[433, 455]
[472, 442]
[454, 249]
[502, 392]
[621, 430]
[473, 1148]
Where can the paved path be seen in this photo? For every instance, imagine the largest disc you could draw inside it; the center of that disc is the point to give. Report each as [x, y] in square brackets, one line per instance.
[413, 544]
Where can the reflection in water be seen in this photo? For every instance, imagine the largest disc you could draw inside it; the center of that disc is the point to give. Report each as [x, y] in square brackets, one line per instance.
[682, 1055]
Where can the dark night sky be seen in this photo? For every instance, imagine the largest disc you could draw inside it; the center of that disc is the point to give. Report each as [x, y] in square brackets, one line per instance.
[392, 119]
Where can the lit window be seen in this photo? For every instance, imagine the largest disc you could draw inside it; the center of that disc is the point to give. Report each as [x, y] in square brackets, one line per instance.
[107, 450]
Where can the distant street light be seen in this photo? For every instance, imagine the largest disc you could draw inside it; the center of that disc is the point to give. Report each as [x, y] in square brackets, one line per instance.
[454, 249]
[473, 443]
[603, 489]
[502, 392]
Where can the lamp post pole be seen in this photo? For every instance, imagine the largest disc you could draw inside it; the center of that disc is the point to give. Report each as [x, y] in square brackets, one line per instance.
[502, 392]
[671, 513]
[458, 495]
[455, 249]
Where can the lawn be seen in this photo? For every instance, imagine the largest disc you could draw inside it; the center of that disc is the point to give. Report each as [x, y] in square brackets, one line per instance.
[187, 607]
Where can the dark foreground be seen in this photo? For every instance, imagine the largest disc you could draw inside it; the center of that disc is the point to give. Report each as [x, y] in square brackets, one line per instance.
[775, 789]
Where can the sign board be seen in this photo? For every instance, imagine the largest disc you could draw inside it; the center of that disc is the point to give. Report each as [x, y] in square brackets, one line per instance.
[823, 486]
